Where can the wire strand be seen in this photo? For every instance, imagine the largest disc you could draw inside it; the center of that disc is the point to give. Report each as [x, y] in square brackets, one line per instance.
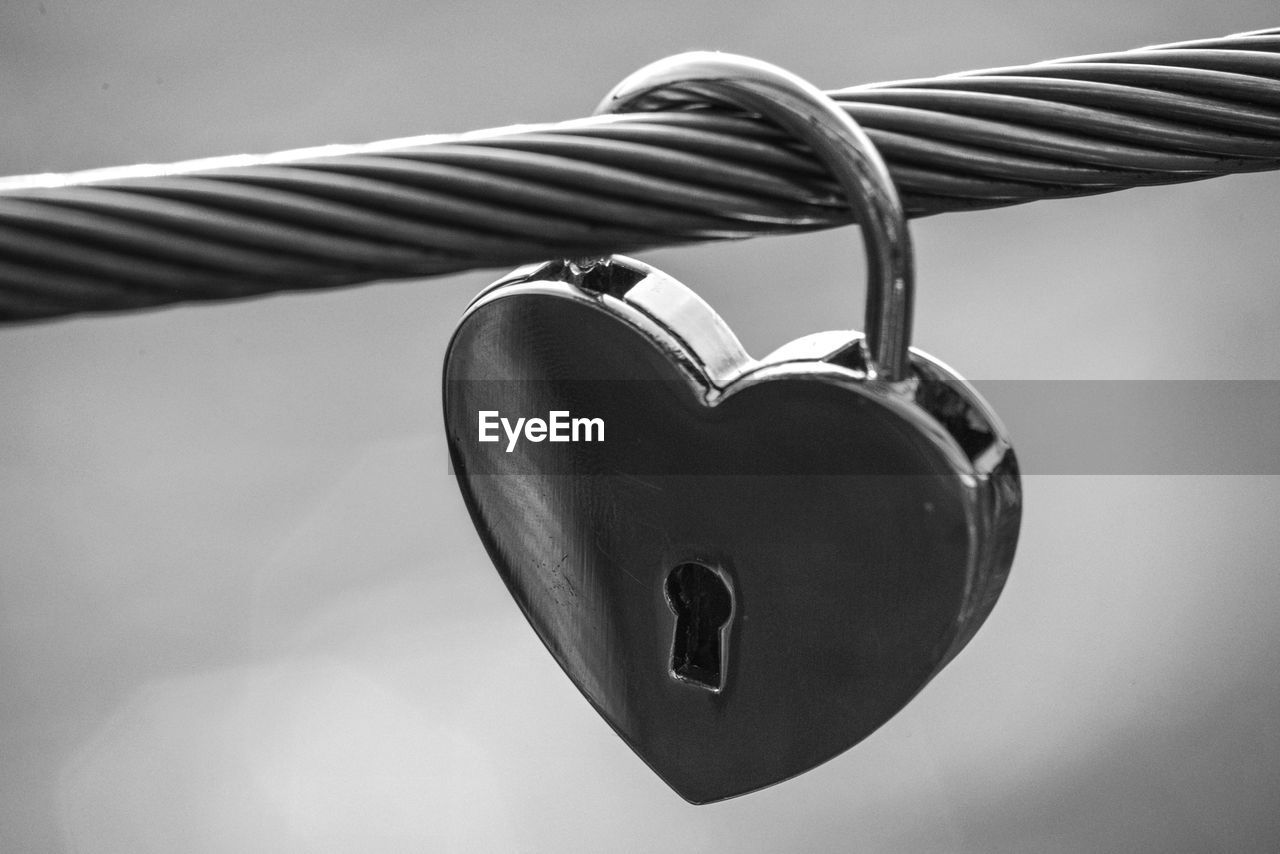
[227, 228]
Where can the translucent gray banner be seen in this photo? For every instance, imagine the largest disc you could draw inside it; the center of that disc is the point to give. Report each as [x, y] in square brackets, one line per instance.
[1073, 427]
[1141, 426]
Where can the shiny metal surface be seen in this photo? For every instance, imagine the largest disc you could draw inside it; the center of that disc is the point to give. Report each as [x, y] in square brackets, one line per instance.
[864, 534]
[760, 561]
[803, 110]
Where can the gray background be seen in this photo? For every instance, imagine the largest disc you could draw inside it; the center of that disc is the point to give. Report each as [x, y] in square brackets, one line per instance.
[242, 608]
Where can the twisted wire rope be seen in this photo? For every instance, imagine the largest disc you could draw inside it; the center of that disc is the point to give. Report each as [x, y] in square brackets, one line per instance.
[223, 228]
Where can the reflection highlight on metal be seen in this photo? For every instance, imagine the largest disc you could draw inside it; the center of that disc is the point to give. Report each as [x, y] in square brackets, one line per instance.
[801, 109]
[768, 558]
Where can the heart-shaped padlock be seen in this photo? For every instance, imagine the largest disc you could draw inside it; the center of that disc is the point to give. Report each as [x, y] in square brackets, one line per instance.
[746, 566]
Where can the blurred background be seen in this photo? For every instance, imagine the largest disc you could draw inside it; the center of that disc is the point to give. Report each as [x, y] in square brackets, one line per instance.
[242, 608]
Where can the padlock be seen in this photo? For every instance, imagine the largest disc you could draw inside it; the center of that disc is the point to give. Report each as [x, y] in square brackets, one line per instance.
[746, 566]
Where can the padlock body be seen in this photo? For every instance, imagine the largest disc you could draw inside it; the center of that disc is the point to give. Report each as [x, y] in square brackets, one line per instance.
[861, 532]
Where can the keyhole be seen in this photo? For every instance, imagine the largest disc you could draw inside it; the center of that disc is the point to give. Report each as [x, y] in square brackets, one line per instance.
[702, 604]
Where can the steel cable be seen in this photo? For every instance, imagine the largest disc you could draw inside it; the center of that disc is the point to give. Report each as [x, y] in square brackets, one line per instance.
[224, 228]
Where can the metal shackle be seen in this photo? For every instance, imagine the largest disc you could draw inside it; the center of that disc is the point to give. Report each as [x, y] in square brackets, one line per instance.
[804, 111]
